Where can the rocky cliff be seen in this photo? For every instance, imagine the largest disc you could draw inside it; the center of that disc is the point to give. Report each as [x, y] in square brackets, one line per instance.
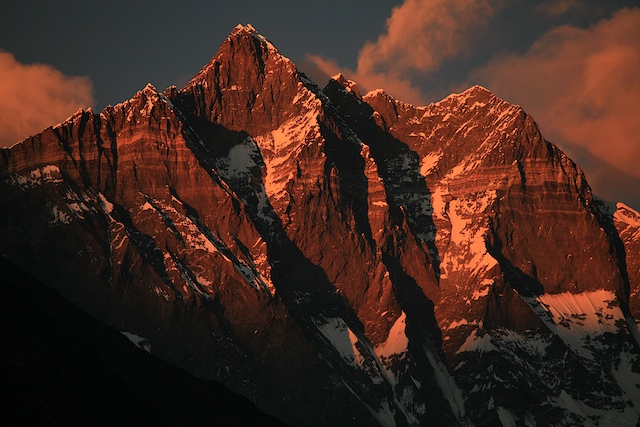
[339, 259]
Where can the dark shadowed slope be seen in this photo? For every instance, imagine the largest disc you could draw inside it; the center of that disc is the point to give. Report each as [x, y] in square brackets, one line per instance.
[60, 366]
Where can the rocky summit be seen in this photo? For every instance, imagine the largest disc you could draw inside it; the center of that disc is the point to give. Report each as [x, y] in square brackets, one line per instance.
[338, 258]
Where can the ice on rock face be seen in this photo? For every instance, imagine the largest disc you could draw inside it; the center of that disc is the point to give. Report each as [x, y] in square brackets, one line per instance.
[429, 162]
[397, 341]
[586, 313]
[250, 30]
[281, 146]
[578, 318]
[38, 176]
[59, 216]
[138, 341]
[630, 219]
[238, 163]
[467, 249]
[337, 333]
[107, 206]
[475, 342]
[199, 240]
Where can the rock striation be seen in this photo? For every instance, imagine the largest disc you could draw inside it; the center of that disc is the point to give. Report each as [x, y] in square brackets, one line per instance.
[339, 259]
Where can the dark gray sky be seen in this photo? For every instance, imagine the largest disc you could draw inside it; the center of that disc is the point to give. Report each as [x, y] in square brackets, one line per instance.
[122, 45]
[572, 64]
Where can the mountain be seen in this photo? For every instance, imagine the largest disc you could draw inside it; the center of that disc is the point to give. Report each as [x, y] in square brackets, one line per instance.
[339, 259]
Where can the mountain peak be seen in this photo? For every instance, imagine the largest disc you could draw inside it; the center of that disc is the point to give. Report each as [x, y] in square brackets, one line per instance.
[377, 93]
[248, 29]
[243, 51]
[149, 89]
[244, 84]
[478, 89]
[242, 31]
[339, 78]
[476, 92]
[349, 85]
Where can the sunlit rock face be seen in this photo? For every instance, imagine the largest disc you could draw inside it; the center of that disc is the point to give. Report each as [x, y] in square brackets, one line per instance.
[339, 259]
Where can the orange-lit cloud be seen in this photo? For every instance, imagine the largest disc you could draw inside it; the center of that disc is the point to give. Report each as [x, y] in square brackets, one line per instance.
[391, 81]
[35, 96]
[582, 86]
[420, 35]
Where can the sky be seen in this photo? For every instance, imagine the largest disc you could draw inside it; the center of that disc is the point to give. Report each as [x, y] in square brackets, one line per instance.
[574, 65]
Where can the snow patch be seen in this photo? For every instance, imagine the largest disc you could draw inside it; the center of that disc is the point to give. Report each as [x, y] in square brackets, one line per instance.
[482, 344]
[627, 222]
[385, 415]
[140, 342]
[507, 418]
[106, 205]
[197, 237]
[59, 216]
[397, 341]
[282, 145]
[578, 318]
[429, 162]
[468, 249]
[336, 332]
[483, 291]
[38, 176]
[587, 313]
[439, 202]
[594, 416]
[239, 161]
[447, 384]
[462, 322]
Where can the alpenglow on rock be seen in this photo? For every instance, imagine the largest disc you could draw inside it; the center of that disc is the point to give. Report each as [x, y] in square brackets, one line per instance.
[338, 258]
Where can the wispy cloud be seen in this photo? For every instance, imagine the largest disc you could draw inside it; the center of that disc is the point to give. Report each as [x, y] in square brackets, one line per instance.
[420, 36]
[35, 96]
[557, 8]
[391, 81]
[582, 86]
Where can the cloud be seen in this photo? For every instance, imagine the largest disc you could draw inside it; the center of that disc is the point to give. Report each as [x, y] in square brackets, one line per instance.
[557, 8]
[35, 96]
[391, 81]
[582, 86]
[420, 36]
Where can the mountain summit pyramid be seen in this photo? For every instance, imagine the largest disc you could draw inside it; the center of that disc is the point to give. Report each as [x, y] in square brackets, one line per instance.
[339, 259]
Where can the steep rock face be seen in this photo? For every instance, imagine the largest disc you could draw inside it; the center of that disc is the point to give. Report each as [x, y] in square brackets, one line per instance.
[627, 222]
[338, 259]
[494, 183]
[248, 86]
[627, 225]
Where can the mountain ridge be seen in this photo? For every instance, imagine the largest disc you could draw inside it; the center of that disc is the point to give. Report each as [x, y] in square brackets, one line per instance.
[336, 257]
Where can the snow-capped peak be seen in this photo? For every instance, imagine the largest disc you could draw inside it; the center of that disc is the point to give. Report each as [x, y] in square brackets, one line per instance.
[149, 89]
[349, 85]
[249, 29]
[377, 92]
[339, 78]
[627, 215]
